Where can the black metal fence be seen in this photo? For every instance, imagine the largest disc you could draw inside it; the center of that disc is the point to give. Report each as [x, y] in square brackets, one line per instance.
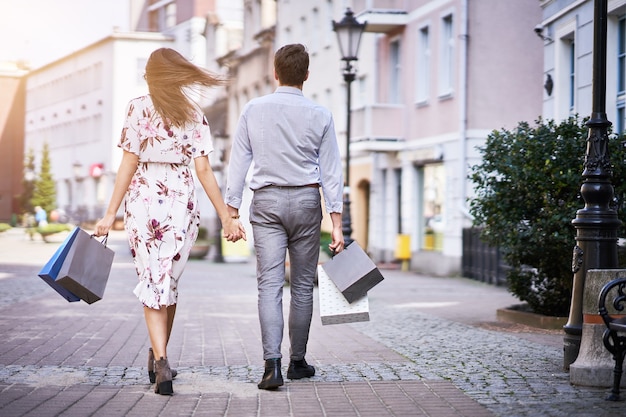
[480, 261]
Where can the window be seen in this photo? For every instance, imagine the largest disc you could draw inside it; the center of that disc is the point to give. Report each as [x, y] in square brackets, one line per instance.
[394, 71]
[141, 70]
[314, 39]
[361, 96]
[169, 18]
[446, 74]
[620, 124]
[423, 65]
[304, 30]
[329, 35]
[398, 197]
[433, 208]
[162, 16]
[572, 76]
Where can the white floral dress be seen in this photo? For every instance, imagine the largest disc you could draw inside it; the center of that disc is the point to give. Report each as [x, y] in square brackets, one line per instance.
[161, 211]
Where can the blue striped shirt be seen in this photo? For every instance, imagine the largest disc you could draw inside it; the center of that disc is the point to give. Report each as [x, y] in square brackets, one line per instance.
[289, 140]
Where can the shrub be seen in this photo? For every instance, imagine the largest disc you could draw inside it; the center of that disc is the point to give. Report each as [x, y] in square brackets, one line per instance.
[49, 229]
[527, 193]
[4, 227]
[203, 234]
[325, 240]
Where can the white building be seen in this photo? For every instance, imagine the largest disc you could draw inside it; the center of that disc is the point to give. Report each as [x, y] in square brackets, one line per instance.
[567, 28]
[76, 104]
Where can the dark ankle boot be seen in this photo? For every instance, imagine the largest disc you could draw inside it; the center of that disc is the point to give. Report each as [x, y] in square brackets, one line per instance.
[273, 377]
[163, 377]
[151, 373]
[300, 369]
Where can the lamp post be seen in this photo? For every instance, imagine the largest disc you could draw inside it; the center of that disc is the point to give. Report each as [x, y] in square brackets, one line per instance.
[349, 32]
[28, 189]
[78, 179]
[596, 224]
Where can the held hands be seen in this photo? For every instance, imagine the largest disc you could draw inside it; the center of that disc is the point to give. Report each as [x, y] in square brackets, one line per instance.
[233, 229]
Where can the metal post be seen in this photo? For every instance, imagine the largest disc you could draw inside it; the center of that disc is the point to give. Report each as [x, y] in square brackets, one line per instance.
[596, 224]
[346, 222]
[218, 257]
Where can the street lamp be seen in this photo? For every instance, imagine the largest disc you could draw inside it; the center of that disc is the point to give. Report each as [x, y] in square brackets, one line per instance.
[349, 32]
[597, 223]
[78, 180]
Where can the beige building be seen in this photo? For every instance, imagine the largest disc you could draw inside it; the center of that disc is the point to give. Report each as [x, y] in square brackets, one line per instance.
[448, 72]
[433, 79]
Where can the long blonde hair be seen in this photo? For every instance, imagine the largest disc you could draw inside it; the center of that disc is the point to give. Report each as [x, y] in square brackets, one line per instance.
[169, 74]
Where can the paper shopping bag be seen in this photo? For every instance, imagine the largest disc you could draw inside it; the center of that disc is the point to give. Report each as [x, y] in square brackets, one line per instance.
[50, 271]
[334, 308]
[86, 269]
[353, 272]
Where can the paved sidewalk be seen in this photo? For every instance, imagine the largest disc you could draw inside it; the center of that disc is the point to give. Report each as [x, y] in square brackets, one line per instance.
[433, 347]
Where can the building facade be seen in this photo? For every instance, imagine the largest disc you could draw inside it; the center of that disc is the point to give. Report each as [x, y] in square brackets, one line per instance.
[447, 73]
[12, 98]
[434, 78]
[567, 32]
[76, 104]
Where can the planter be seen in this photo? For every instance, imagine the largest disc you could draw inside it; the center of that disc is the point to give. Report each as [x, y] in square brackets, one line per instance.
[199, 250]
[518, 314]
[58, 237]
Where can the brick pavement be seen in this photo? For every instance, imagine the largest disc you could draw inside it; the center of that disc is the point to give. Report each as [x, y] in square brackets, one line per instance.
[432, 348]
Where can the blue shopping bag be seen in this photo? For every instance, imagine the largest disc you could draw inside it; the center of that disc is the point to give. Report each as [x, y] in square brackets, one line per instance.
[50, 271]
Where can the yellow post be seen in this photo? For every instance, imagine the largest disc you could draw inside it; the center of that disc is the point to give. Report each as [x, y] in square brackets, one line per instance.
[403, 250]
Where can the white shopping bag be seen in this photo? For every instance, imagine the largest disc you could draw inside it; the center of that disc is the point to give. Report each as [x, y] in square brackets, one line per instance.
[334, 308]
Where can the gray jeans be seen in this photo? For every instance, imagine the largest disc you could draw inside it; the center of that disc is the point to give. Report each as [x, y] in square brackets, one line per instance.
[286, 218]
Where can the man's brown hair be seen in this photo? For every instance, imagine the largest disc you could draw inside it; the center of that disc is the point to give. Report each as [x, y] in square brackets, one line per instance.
[291, 63]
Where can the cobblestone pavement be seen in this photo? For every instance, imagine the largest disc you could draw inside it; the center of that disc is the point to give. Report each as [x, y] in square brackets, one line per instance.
[433, 347]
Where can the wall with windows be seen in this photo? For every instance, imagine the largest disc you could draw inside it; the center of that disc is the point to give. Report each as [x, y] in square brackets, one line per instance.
[76, 105]
[12, 175]
[620, 76]
[446, 76]
[568, 59]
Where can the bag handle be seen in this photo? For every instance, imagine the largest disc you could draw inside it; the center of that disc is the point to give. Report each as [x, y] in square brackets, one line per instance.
[333, 253]
[104, 239]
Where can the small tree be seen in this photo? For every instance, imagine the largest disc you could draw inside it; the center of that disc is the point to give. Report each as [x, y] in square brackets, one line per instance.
[45, 189]
[527, 193]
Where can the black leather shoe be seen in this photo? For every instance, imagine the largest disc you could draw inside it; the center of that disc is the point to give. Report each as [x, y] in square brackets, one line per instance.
[300, 369]
[273, 377]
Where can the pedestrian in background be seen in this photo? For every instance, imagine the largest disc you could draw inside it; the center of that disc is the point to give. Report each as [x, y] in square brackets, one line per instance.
[41, 217]
[292, 142]
[162, 134]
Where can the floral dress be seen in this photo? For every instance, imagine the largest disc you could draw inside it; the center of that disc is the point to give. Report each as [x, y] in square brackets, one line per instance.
[161, 213]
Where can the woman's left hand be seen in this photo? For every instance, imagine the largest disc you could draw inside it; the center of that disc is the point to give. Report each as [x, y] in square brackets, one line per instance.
[104, 225]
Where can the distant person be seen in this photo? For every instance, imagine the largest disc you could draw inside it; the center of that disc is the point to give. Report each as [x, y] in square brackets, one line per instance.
[162, 134]
[41, 217]
[292, 142]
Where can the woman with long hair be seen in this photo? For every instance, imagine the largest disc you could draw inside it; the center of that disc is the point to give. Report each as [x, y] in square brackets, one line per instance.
[163, 133]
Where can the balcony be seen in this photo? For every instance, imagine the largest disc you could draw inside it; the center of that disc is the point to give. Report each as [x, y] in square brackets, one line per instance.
[382, 16]
[378, 128]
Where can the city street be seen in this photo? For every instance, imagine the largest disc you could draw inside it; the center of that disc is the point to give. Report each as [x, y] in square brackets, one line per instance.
[432, 347]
